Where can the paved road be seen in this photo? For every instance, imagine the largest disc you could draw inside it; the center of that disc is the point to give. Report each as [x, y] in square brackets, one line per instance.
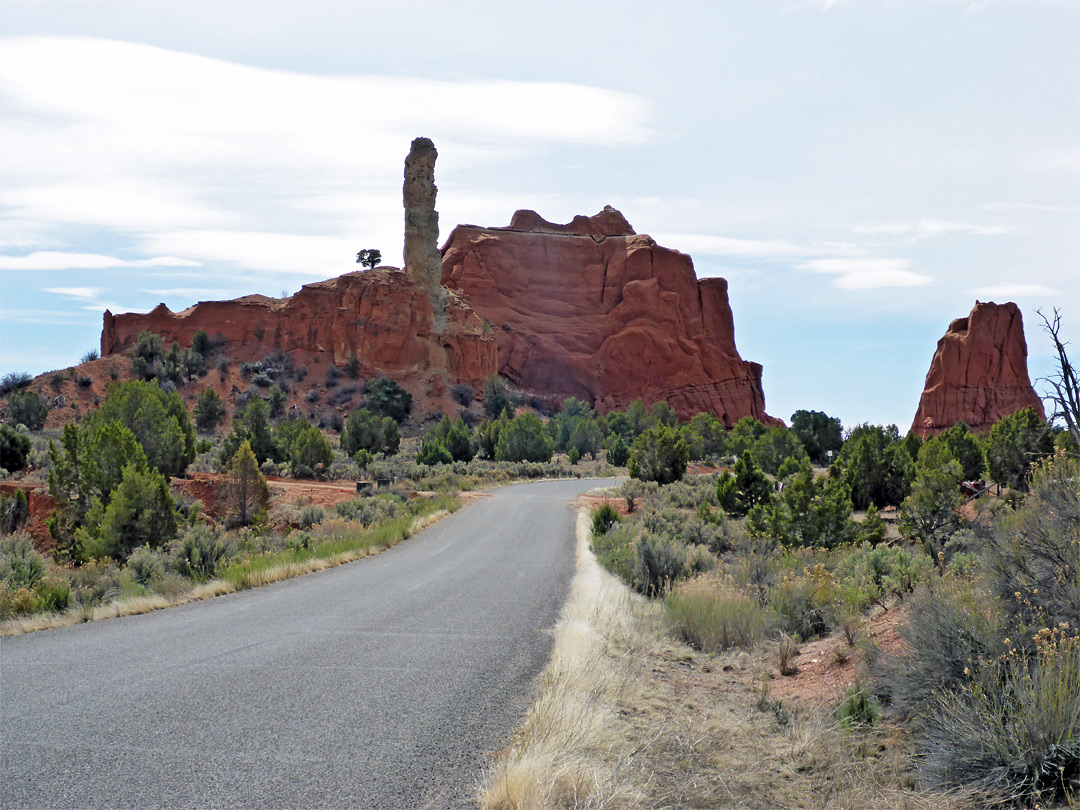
[386, 683]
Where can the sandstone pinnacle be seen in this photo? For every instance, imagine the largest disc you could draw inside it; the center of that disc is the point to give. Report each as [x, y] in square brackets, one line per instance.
[423, 262]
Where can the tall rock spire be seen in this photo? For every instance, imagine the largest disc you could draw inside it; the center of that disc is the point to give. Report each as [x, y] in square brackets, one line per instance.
[423, 262]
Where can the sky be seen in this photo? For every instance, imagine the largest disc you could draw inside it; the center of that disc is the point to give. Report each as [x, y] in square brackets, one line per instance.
[861, 172]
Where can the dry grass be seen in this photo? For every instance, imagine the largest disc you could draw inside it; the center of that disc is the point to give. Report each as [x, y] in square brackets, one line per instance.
[625, 717]
[572, 750]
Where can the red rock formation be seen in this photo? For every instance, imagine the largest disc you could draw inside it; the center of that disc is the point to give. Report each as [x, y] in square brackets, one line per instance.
[978, 374]
[381, 316]
[593, 310]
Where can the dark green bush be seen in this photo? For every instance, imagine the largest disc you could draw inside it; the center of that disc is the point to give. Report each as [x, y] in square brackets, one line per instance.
[659, 454]
[618, 453]
[27, 408]
[14, 380]
[368, 431]
[14, 449]
[604, 517]
[14, 511]
[463, 394]
[433, 452]
[496, 398]
[209, 410]
[523, 438]
[386, 398]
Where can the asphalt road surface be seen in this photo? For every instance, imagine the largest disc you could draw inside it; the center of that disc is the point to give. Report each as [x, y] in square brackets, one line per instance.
[386, 683]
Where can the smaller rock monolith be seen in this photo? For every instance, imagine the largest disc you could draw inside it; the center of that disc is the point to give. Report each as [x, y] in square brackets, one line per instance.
[423, 262]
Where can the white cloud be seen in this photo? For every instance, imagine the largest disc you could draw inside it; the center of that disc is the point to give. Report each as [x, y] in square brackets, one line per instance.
[299, 254]
[1015, 291]
[928, 228]
[56, 260]
[868, 274]
[77, 293]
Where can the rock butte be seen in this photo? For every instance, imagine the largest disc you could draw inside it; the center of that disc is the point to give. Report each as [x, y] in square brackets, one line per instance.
[979, 372]
[594, 310]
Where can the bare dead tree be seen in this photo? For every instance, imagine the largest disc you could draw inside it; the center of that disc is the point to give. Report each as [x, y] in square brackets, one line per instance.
[1066, 388]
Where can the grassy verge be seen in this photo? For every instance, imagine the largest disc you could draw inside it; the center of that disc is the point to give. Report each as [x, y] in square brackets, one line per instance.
[326, 545]
[627, 717]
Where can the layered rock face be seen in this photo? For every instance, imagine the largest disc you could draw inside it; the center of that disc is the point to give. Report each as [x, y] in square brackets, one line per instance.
[594, 310]
[979, 372]
[382, 316]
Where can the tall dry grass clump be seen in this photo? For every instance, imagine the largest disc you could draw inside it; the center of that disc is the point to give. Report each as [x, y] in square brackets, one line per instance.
[572, 750]
[713, 613]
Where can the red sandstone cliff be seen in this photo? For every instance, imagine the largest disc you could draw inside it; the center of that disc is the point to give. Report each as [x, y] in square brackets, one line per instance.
[979, 372]
[593, 310]
[382, 316]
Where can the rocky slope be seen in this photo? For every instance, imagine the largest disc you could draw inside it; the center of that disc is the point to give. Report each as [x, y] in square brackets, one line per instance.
[594, 310]
[978, 373]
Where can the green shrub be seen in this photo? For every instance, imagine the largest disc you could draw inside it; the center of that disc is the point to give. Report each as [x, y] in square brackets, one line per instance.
[713, 614]
[524, 439]
[1013, 731]
[876, 466]
[147, 566]
[309, 516]
[27, 408]
[140, 512]
[616, 551]
[952, 628]
[14, 511]
[433, 452]
[604, 517]
[739, 493]
[1033, 555]
[158, 419]
[496, 398]
[659, 564]
[21, 566]
[386, 398]
[308, 451]
[199, 553]
[365, 430]
[659, 454]
[858, 708]
[618, 453]
[209, 410]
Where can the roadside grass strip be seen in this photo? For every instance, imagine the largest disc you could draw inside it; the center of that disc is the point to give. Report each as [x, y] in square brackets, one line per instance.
[324, 546]
[626, 716]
